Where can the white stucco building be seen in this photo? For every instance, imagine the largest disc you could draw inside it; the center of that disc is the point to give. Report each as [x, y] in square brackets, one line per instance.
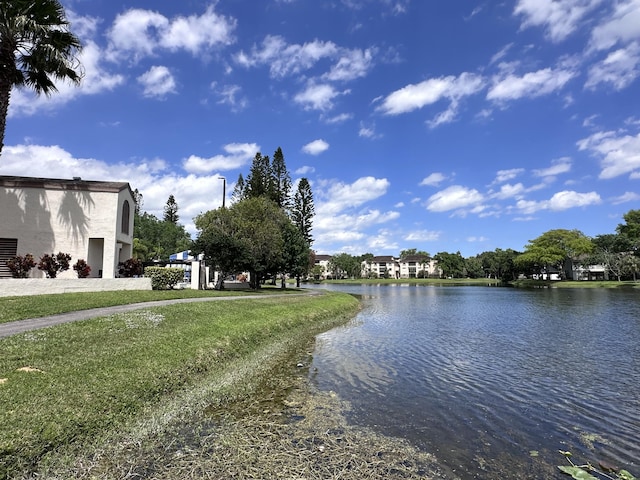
[90, 220]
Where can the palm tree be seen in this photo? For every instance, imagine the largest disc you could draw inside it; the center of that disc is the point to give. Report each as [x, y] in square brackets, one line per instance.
[36, 48]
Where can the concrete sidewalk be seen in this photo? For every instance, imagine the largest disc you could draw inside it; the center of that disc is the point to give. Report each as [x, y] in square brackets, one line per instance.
[20, 326]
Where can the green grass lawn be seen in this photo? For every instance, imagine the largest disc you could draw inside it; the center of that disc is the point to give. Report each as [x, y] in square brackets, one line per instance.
[20, 308]
[69, 384]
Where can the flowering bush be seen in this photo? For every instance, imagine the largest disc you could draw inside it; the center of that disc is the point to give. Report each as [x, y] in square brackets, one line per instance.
[20, 266]
[131, 268]
[54, 264]
[82, 268]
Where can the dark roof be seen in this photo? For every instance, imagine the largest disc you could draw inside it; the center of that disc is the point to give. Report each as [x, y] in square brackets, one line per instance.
[415, 258]
[383, 258]
[75, 183]
[323, 257]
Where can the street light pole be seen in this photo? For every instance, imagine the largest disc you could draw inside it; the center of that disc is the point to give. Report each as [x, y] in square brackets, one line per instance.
[224, 189]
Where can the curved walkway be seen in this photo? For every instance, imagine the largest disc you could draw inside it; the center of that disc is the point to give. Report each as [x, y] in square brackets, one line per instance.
[20, 326]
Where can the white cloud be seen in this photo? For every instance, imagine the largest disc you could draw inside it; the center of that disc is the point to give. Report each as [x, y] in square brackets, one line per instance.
[335, 197]
[501, 54]
[342, 117]
[316, 147]
[423, 236]
[626, 197]
[509, 191]
[560, 201]
[506, 175]
[569, 199]
[318, 96]
[231, 95]
[157, 82]
[559, 166]
[238, 155]
[356, 222]
[559, 18]
[287, 59]
[352, 64]
[452, 198]
[620, 154]
[384, 241]
[195, 33]
[619, 69]
[305, 170]
[416, 96]
[530, 85]
[367, 132]
[433, 180]
[621, 27]
[139, 33]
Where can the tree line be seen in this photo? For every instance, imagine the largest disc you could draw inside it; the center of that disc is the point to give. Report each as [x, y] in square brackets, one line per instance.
[266, 231]
[557, 251]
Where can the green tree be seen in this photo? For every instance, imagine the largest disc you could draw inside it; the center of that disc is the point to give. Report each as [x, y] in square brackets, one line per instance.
[473, 266]
[138, 200]
[171, 210]
[253, 235]
[155, 239]
[259, 182]
[281, 181]
[36, 48]
[556, 248]
[631, 227]
[303, 209]
[238, 190]
[612, 251]
[451, 264]
[500, 264]
[221, 241]
[296, 253]
[344, 264]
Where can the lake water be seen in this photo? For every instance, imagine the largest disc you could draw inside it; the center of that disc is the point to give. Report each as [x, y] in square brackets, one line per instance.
[492, 380]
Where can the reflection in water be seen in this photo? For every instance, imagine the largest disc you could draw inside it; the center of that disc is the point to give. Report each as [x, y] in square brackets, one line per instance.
[484, 376]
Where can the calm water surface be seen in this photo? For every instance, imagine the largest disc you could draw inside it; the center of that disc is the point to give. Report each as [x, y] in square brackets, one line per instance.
[493, 380]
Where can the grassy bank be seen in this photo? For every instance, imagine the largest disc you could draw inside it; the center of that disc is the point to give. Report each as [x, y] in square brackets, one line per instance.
[488, 281]
[65, 389]
[418, 281]
[574, 284]
[19, 308]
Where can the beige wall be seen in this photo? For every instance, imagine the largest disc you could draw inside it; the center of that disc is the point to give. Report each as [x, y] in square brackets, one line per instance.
[52, 221]
[14, 287]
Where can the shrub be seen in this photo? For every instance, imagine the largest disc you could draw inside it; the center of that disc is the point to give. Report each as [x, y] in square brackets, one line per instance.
[130, 268]
[82, 268]
[54, 264]
[164, 278]
[20, 266]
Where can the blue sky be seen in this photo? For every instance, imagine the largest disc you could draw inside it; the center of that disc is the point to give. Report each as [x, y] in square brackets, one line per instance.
[437, 125]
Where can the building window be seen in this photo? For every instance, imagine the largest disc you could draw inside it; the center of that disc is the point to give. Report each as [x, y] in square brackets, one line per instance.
[125, 217]
[8, 249]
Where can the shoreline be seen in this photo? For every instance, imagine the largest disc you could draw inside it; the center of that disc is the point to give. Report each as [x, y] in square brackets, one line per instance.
[261, 418]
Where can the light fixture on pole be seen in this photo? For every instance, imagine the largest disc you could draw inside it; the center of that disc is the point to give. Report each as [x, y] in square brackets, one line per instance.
[224, 189]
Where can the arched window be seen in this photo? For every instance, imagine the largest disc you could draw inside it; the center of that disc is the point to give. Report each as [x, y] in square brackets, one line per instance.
[125, 217]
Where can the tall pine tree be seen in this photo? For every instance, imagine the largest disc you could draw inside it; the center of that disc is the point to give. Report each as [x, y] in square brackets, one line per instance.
[259, 181]
[171, 210]
[281, 181]
[303, 210]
